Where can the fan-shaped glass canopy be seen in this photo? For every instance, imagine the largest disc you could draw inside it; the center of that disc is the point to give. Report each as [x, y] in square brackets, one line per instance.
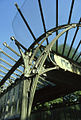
[33, 21]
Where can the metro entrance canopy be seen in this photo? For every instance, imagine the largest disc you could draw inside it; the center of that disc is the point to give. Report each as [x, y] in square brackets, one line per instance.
[41, 72]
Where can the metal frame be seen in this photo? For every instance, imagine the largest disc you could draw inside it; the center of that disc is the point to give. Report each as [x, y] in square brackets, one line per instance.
[37, 70]
[76, 49]
[42, 17]
[68, 23]
[25, 21]
[73, 39]
[57, 24]
[34, 69]
[19, 62]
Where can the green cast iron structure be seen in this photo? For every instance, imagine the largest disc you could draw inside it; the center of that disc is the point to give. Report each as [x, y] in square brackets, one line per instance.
[44, 77]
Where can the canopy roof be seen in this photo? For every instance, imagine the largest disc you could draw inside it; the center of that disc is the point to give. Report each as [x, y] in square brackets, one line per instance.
[31, 24]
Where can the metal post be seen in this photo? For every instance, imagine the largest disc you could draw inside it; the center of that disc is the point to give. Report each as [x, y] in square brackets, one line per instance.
[5, 44]
[25, 94]
[32, 93]
[10, 65]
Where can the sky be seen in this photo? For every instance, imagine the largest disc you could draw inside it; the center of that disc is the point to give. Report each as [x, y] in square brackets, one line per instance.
[31, 12]
[7, 13]
[11, 23]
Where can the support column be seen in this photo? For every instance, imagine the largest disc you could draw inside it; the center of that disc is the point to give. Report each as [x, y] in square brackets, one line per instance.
[25, 92]
[32, 93]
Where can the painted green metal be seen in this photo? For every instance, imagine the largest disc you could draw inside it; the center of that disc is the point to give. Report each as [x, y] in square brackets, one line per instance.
[6, 45]
[19, 62]
[33, 69]
[8, 69]
[25, 99]
[37, 68]
[10, 65]
[7, 55]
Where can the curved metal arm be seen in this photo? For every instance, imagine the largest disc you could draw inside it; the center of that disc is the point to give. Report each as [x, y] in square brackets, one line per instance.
[39, 47]
[52, 60]
[48, 69]
[45, 53]
[56, 38]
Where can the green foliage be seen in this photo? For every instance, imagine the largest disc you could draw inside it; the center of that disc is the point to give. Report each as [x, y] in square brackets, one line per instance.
[67, 47]
[58, 100]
